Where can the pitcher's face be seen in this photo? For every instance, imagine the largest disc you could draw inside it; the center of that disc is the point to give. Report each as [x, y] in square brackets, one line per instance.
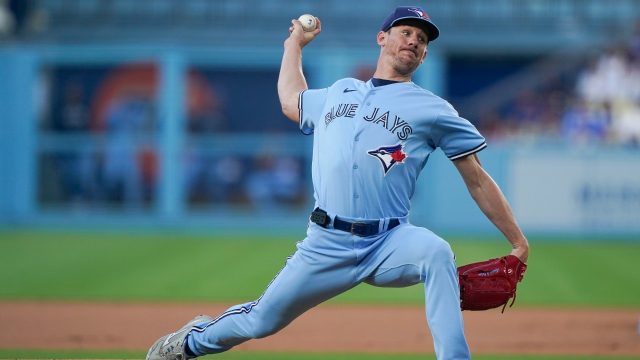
[404, 47]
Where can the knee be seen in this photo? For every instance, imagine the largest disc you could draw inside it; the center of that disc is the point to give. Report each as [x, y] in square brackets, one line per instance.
[441, 259]
[442, 251]
[431, 248]
[434, 251]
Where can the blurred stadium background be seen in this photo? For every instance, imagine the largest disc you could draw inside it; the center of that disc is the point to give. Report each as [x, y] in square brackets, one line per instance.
[132, 133]
[146, 114]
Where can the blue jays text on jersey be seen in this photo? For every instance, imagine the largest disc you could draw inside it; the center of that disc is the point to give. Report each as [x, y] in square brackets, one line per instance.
[396, 125]
[346, 110]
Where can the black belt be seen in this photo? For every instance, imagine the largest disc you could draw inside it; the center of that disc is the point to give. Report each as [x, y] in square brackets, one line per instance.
[360, 228]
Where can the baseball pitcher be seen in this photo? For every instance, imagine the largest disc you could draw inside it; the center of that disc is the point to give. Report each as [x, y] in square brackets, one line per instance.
[370, 141]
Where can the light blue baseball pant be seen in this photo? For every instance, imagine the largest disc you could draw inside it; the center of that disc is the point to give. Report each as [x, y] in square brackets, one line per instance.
[329, 262]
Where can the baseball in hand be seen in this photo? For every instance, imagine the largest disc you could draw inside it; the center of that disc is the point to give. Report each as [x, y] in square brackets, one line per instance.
[308, 22]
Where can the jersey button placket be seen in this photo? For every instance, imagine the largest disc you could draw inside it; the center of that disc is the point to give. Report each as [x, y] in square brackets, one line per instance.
[356, 139]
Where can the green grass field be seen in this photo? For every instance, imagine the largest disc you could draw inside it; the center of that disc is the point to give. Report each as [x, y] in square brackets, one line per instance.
[172, 266]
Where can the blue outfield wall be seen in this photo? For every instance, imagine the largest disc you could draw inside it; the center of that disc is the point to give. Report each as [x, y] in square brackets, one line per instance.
[554, 188]
[556, 191]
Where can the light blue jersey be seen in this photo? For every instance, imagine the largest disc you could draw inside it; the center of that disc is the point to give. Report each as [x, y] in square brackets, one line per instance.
[370, 144]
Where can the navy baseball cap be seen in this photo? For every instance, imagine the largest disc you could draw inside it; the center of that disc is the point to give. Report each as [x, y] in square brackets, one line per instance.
[418, 16]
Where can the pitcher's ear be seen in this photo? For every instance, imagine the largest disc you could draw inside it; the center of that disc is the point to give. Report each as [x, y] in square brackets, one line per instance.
[381, 37]
[424, 56]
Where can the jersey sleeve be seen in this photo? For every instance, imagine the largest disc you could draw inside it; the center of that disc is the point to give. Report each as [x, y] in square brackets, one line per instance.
[456, 136]
[310, 105]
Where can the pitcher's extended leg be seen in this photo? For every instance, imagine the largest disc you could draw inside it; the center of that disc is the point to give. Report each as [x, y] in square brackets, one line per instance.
[410, 255]
[308, 279]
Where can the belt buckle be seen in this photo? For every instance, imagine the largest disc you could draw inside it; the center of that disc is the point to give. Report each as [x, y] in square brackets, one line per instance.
[360, 228]
[320, 217]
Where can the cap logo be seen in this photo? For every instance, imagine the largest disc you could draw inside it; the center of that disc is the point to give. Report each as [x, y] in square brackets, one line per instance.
[419, 12]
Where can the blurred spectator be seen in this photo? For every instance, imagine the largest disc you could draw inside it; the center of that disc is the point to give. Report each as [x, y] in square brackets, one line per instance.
[74, 111]
[493, 127]
[21, 10]
[226, 177]
[7, 20]
[212, 179]
[626, 125]
[287, 179]
[584, 125]
[208, 118]
[634, 43]
[26, 16]
[595, 104]
[78, 167]
[270, 181]
[148, 163]
[553, 110]
[259, 185]
[525, 113]
[205, 106]
[127, 119]
[604, 80]
[275, 180]
[611, 83]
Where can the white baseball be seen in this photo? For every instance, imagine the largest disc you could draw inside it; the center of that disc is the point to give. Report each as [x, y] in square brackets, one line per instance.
[308, 22]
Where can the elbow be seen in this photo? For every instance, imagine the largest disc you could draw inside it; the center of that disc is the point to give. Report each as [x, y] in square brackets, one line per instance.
[290, 112]
[289, 106]
[285, 108]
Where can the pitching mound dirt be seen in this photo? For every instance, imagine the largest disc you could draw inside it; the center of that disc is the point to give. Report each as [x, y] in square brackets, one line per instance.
[328, 328]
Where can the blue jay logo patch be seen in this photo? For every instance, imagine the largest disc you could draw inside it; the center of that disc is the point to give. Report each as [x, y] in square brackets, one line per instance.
[419, 12]
[389, 156]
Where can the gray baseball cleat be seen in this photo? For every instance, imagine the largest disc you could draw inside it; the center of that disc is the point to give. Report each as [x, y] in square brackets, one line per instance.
[171, 347]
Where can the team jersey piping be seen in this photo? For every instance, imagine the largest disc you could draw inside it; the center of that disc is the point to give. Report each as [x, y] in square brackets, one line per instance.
[468, 152]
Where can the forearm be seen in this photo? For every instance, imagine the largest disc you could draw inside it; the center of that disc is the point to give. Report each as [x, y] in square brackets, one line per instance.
[291, 80]
[493, 204]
